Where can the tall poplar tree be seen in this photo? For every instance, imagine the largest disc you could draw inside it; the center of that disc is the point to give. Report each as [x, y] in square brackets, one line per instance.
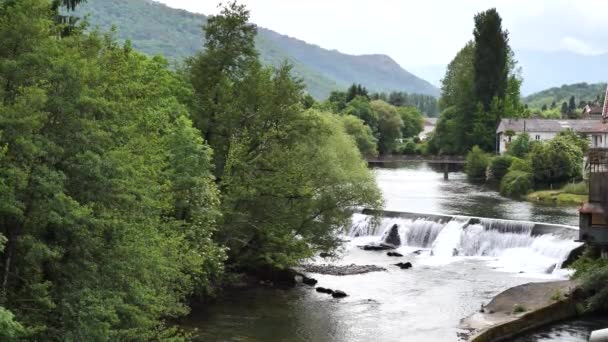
[491, 58]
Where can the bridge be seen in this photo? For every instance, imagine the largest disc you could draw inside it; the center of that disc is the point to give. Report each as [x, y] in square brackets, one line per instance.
[445, 160]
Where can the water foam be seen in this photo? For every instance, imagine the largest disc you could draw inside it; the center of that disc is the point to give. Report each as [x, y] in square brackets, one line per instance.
[510, 243]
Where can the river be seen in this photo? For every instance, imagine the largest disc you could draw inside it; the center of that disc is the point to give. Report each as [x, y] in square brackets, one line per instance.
[425, 303]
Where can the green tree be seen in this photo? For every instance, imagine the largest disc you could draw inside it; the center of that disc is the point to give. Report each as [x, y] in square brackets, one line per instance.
[560, 159]
[476, 163]
[361, 108]
[571, 105]
[520, 146]
[564, 109]
[457, 104]
[389, 126]
[413, 123]
[516, 183]
[500, 166]
[100, 242]
[362, 133]
[220, 75]
[491, 58]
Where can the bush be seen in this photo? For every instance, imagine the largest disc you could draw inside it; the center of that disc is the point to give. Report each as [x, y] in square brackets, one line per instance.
[520, 146]
[516, 183]
[518, 164]
[477, 162]
[558, 160]
[581, 188]
[518, 308]
[422, 148]
[500, 166]
[407, 147]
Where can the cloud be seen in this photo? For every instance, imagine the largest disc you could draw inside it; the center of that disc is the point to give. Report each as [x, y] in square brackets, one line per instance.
[425, 32]
[578, 46]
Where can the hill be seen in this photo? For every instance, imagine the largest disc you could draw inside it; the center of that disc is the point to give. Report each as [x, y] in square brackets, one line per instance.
[154, 28]
[580, 91]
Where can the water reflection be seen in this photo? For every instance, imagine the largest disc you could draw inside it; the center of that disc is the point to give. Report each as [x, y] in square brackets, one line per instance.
[420, 187]
[425, 303]
[574, 331]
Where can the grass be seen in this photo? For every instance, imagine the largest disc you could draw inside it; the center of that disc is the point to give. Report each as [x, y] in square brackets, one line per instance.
[518, 308]
[557, 197]
[557, 295]
[570, 194]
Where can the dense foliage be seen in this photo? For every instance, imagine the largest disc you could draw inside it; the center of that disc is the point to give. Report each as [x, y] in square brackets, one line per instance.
[582, 93]
[476, 163]
[558, 160]
[481, 86]
[516, 184]
[500, 166]
[115, 210]
[426, 104]
[389, 125]
[156, 29]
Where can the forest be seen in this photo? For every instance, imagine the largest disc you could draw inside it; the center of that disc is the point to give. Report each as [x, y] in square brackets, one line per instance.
[130, 189]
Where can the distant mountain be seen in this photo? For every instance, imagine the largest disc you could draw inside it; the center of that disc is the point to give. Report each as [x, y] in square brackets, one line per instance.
[154, 28]
[580, 91]
[542, 70]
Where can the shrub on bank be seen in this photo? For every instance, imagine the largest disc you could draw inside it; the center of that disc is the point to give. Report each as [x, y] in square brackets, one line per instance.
[518, 164]
[500, 166]
[520, 146]
[516, 183]
[580, 188]
[408, 147]
[476, 163]
[592, 271]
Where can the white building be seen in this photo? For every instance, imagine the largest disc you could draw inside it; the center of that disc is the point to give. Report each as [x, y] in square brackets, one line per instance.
[544, 129]
[594, 127]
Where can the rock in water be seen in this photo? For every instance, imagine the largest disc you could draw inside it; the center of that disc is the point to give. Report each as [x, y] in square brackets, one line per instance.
[394, 254]
[339, 294]
[393, 238]
[380, 247]
[309, 281]
[404, 265]
[324, 290]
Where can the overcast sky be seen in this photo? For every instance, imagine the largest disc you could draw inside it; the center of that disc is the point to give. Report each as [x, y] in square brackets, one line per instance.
[425, 32]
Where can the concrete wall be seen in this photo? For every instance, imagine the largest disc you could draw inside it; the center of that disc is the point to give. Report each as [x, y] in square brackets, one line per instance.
[555, 312]
[563, 231]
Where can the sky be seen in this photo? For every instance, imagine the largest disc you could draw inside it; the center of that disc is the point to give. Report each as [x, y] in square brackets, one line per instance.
[425, 32]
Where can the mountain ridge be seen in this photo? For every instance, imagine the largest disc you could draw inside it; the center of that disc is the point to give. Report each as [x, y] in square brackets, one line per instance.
[155, 28]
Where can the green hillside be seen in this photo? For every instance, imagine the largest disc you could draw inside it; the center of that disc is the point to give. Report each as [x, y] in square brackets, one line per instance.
[154, 28]
[580, 91]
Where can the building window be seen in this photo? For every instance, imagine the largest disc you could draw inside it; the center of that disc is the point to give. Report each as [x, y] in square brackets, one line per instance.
[537, 137]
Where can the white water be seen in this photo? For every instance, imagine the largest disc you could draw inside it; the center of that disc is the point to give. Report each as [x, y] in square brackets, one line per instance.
[507, 245]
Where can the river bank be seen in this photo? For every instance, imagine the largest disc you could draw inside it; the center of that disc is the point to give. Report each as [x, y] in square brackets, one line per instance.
[557, 197]
[523, 308]
[425, 302]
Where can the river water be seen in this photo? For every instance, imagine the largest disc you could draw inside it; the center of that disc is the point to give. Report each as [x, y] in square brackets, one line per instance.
[457, 267]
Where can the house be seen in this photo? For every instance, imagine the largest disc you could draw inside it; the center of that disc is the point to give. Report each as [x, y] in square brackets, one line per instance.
[592, 111]
[545, 129]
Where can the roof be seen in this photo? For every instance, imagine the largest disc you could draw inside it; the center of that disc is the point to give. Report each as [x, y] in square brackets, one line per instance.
[548, 125]
[592, 110]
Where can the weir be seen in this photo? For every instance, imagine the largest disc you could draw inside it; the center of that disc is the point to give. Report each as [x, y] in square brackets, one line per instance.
[546, 246]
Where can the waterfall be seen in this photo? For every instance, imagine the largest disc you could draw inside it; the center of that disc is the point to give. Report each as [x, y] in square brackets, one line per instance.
[510, 241]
